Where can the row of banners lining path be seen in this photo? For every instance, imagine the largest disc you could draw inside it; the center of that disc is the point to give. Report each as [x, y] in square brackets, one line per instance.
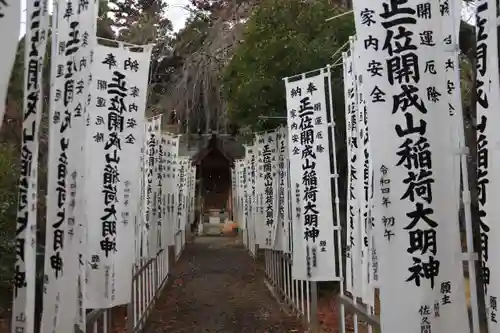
[114, 177]
[406, 158]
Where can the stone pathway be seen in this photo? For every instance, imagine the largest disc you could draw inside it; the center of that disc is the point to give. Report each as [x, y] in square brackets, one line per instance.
[218, 288]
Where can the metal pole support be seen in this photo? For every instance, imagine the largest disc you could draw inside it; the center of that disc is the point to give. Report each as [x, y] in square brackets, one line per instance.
[314, 324]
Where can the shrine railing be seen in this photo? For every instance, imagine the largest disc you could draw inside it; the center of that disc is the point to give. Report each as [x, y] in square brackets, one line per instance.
[148, 281]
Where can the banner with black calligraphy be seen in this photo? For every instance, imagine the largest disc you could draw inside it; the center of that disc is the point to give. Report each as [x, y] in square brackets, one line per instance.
[246, 187]
[9, 25]
[185, 205]
[407, 116]
[172, 152]
[162, 159]
[148, 188]
[72, 44]
[236, 192]
[240, 188]
[236, 200]
[191, 186]
[76, 240]
[175, 189]
[139, 223]
[259, 216]
[187, 195]
[268, 160]
[363, 284]
[234, 185]
[283, 231]
[184, 183]
[180, 186]
[311, 178]
[163, 184]
[241, 194]
[181, 182]
[353, 260]
[154, 228]
[488, 161]
[153, 137]
[251, 194]
[192, 192]
[115, 125]
[23, 306]
[451, 13]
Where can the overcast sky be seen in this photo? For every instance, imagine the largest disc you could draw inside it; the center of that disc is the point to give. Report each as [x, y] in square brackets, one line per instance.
[178, 15]
[175, 13]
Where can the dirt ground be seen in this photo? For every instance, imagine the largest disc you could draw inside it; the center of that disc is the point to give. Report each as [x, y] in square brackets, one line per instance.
[218, 288]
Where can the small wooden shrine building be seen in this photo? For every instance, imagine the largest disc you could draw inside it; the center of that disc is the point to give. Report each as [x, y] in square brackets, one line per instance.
[213, 166]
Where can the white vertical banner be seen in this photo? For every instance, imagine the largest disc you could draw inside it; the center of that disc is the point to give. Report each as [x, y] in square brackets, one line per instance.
[258, 214]
[115, 123]
[233, 191]
[181, 197]
[450, 13]
[162, 158]
[172, 151]
[239, 191]
[183, 175]
[360, 235]
[254, 209]
[353, 260]
[242, 194]
[163, 217]
[270, 188]
[488, 164]
[139, 223]
[237, 202]
[151, 217]
[10, 10]
[188, 193]
[371, 252]
[73, 39]
[187, 167]
[236, 192]
[23, 307]
[241, 223]
[193, 190]
[177, 208]
[407, 116]
[170, 183]
[154, 228]
[310, 172]
[251, 195]
[291, 197]
[362, 257]
[185, 161]
[149, 153]
[76, 239]
[362, 278]
[246, 188]
[283, 232]
[175, 199]
[192, 174]
[247, 182]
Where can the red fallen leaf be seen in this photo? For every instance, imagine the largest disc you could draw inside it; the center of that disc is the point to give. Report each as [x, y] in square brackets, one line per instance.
[178, 282]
